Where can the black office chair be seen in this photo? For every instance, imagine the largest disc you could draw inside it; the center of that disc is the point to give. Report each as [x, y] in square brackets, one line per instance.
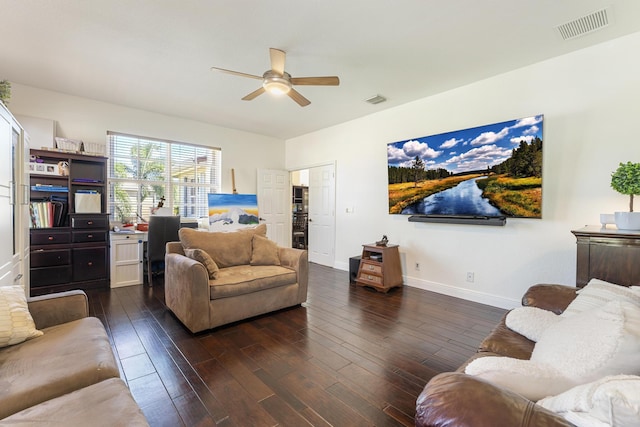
[162, 229]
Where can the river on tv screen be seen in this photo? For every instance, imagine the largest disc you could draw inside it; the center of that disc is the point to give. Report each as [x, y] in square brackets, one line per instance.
[490, 170]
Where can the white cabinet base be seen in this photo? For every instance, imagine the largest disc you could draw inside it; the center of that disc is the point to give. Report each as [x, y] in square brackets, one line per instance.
[127, 252]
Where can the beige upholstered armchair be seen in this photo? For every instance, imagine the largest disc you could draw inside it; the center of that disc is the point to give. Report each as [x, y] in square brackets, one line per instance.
[212, 279]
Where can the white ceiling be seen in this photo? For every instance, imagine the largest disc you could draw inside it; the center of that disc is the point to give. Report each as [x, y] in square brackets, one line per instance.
[156, 55]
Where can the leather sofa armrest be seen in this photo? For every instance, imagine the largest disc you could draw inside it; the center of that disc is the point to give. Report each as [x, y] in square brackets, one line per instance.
[505, 342]
[456, 399]
[554, 298]
[55, 309]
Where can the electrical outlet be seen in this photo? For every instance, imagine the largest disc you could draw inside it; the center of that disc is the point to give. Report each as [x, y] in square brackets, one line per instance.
[470, 276]
[417, 266]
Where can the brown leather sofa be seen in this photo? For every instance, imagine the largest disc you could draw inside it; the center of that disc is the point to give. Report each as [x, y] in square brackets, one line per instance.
[457, 399]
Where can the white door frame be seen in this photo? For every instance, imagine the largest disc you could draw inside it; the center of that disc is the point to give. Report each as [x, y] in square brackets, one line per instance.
[316, 165]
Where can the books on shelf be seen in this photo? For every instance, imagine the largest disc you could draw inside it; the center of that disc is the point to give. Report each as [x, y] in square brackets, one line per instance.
[87, 180]
[50, 188]
[50, 213]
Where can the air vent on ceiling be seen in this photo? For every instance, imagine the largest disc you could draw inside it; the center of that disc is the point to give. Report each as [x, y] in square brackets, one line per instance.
[376, 99]
[584, 25]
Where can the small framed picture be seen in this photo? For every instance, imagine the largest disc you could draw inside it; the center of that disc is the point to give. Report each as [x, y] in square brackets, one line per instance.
[43, 168]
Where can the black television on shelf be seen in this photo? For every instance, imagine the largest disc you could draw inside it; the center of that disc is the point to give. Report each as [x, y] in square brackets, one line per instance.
[479, 175]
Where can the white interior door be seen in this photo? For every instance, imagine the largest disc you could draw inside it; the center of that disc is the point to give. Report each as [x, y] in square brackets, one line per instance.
[274, 204]
[322, 228]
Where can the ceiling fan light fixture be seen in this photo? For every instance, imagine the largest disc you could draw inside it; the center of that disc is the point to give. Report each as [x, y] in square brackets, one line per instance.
[277, 85]
[278, 82]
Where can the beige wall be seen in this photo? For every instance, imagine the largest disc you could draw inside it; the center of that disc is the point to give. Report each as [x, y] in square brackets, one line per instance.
[590, 104]
[89, 120]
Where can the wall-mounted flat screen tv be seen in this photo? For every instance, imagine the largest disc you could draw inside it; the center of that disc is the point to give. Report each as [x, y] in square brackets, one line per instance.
[491, 171]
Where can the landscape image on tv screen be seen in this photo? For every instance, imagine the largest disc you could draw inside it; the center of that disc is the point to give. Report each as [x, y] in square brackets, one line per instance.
[492, 170]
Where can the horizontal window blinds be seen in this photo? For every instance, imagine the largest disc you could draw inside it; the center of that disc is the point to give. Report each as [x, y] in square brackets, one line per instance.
[145, 171]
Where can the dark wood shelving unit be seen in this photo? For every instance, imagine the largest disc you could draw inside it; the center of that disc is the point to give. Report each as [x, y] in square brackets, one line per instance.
[300, 217]
[73, 252]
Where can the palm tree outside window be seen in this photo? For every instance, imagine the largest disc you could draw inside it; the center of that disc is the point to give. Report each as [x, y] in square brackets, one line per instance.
[143, 170]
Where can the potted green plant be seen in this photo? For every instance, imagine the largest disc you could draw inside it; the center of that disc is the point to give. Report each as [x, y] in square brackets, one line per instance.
[626, 180]
[5, 91]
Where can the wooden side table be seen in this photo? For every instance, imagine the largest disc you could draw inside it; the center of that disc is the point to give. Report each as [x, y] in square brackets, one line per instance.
[380, 267]
[607, 254]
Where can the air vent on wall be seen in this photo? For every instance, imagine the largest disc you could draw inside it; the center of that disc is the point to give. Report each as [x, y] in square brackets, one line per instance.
[376, 99]
[584, 25]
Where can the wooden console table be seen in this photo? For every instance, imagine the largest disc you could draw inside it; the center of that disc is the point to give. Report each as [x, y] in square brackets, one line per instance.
[607, 254]
[380, 267]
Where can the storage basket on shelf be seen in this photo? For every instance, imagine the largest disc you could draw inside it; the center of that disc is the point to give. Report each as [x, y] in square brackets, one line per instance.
[68, 144]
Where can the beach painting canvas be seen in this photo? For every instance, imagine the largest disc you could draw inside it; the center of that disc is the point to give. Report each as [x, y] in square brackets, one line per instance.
[229, 212]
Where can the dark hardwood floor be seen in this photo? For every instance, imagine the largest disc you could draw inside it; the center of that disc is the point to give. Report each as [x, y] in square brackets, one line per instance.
[349, 356]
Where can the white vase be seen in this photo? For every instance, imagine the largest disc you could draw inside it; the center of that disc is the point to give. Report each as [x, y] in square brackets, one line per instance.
[628, 220]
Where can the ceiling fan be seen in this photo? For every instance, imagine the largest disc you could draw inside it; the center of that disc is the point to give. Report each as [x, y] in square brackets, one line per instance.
[278, 81]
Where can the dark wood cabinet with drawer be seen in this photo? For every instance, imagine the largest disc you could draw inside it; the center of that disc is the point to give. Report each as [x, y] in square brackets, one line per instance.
[90, 261]
[89, 264]
[50, 266]
[70, 257]
[48, 276]
[49, 237]
[88, 236]
[70, 240]
[47, 258]
[91, 221]
[607, 254]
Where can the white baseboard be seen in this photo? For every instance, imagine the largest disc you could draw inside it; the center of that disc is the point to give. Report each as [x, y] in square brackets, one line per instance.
[341, 266]
[467, 294]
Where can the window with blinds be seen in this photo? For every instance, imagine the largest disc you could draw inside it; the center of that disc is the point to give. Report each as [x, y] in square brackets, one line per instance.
[144, 172]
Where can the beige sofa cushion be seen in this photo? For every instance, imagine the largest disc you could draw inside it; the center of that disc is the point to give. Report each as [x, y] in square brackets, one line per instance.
[264, 251]
[260, 230]
[226, 249]
[245, 279]
[204, 258]
[66, 358]
[105, 404]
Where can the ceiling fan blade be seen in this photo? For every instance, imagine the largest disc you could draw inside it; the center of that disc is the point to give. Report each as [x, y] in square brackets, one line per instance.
[254, 94]
[296, 96]
[316, 81]
[277, 60]
[236, 73]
